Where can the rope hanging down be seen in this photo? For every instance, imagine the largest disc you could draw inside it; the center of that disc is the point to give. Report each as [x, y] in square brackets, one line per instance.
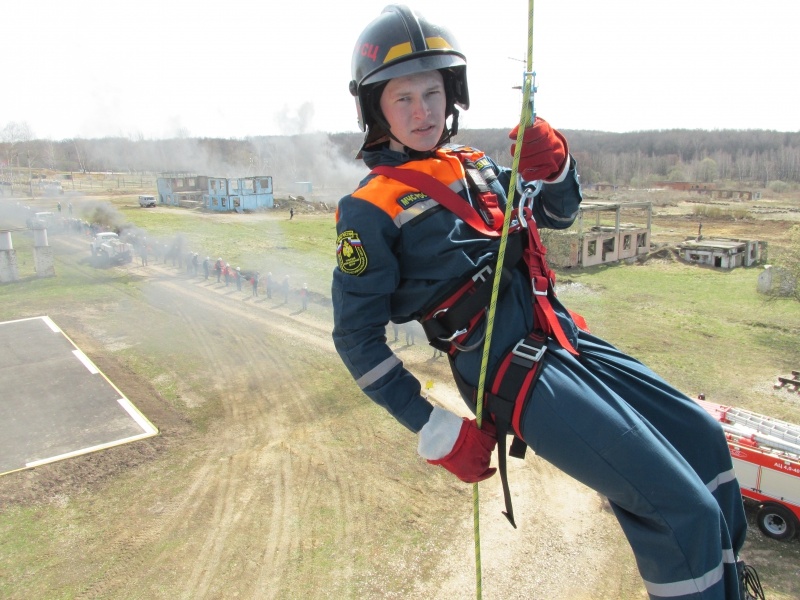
[526, 118]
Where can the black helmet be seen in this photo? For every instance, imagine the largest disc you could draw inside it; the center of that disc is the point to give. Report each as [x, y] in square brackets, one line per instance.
[398, 43]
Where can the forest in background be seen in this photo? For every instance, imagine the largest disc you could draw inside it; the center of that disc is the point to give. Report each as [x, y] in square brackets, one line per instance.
[744, 158]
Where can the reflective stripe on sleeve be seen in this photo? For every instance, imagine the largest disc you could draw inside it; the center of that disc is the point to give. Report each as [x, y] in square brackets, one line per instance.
[414, 211]
[686, 587]
[724, 477]
[554, 217]
[377, 372]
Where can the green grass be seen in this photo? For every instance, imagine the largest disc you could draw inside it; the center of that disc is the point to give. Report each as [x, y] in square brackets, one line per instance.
[705, 330]
[702, 329]
[303, 248]
[70, 287]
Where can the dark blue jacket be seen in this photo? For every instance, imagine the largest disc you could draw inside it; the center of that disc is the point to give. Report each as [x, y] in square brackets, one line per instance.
[399, 252]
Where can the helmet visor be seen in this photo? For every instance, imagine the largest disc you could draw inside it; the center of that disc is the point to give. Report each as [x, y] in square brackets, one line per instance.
[418, 64]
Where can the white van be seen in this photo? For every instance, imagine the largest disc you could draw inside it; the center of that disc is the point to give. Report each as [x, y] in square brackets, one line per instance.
[145, 201]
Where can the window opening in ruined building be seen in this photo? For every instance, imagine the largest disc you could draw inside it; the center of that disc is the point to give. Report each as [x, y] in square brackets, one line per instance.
[249, 185]
[591, 248]
[626, 242]
[608, 247]
[214, 201]
[236, 202]
[213, 184]
[641, 239]
[264, 183]
[234, 184]
[224, 202]
[191, 182]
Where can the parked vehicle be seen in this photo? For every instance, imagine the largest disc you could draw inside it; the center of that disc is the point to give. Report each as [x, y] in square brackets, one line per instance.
[107, 248]
[766, 457]
[41, 219]
[147, 201]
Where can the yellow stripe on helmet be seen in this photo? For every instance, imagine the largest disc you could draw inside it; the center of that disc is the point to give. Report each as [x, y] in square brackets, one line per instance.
[434, 43]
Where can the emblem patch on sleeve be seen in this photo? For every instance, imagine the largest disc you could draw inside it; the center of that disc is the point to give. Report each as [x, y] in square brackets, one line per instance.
[350, 253]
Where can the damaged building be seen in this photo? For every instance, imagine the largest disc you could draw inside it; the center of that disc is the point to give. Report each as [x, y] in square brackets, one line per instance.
[216, 193]
[723, 253]
[599, 235]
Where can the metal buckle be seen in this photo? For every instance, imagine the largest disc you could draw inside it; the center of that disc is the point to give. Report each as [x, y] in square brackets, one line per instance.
[527, 193]
[533, 354]
[454, 336]
[537, 292]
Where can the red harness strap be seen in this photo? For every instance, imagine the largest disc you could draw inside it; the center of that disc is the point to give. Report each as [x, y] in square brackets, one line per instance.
[543, 279]
[438, 191]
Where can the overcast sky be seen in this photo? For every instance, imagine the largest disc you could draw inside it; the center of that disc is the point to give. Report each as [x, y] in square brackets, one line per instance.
[233, 69]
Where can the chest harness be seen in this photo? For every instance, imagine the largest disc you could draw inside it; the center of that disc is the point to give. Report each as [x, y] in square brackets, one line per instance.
[450, 323]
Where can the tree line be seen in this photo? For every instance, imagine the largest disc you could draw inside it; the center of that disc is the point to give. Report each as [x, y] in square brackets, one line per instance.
[643, 158]
[746, 158]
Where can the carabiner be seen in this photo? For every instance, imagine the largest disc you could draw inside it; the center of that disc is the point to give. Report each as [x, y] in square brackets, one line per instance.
[527, 192]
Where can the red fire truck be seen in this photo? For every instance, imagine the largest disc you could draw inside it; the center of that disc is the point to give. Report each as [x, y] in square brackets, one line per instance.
[766, 457]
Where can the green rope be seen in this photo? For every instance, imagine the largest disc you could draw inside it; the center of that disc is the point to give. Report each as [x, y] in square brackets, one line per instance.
[524, 122]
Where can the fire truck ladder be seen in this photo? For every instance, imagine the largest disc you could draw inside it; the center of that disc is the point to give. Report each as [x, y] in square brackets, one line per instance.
[772, 433]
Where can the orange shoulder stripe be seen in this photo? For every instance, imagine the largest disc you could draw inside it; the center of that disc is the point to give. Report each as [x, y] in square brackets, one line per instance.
[393, 197]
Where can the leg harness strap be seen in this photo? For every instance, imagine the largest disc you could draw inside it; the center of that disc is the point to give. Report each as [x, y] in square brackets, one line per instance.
[510, 389]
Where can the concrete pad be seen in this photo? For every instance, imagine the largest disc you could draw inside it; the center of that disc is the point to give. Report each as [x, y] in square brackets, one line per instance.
[54, 402]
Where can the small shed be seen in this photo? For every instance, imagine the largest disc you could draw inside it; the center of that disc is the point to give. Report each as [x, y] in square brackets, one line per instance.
[722, 253]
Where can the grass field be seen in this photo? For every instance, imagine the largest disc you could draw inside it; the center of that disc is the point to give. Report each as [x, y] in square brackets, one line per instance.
[117, 532]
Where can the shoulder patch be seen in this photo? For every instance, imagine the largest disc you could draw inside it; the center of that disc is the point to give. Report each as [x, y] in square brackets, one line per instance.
[350, 253]
[410, 199]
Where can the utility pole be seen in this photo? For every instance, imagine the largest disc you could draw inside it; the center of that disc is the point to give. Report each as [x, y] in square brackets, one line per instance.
[30, 172]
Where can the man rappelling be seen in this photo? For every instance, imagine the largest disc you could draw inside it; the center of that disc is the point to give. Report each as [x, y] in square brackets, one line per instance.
[419, 239]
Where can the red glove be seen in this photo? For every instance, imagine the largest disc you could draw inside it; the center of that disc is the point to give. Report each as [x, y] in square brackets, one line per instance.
[470, 456]
[544, 152]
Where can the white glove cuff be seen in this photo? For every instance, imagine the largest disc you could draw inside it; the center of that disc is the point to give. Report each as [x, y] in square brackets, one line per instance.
[438, 436]
[563, 175]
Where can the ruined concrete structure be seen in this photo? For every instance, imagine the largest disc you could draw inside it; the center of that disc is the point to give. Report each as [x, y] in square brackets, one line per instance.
[606, 244]
[216, 193]
[43, 261]
[777, 281]
[722, 252]
[586, 245]
[8, 259]
[736, 194]
[710, 189]
[687, 186]
[42, 254]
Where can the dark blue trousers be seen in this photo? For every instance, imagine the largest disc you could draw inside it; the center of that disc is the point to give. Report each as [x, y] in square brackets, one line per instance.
[663, 463]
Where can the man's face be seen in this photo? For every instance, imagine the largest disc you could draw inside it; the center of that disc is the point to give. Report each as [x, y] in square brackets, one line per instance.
[414, 106]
